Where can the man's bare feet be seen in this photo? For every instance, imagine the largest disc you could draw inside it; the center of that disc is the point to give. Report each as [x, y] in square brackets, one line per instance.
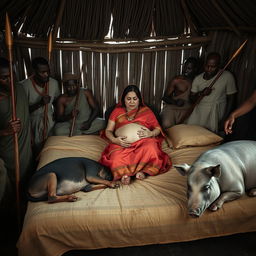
[140, 176]
[58, 199]
[125, 180]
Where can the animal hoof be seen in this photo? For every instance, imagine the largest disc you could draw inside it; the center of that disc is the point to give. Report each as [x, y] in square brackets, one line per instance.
[252, 192]
[214, 208]
[73, 199]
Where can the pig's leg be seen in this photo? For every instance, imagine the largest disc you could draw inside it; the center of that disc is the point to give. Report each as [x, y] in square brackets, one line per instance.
[52, 187]
[252, 192]
[224, 197]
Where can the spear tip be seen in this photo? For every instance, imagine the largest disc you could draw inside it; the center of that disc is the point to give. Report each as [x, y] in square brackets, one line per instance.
[49, 45]
[8, 31]
[240, 48]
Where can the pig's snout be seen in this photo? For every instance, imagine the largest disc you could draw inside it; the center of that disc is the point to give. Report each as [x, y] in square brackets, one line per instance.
[195, 213]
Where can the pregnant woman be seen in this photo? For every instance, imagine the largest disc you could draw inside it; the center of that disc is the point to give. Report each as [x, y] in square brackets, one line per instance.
[135, 136]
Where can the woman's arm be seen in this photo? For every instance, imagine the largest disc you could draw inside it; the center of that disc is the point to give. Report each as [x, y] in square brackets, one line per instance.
[247, 106]
[110, 131]
[116, 140]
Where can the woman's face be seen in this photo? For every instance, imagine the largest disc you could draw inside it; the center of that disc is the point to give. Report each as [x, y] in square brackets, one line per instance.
[131, 101]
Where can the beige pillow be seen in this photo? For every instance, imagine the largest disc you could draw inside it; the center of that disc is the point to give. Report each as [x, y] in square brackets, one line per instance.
[185, 135]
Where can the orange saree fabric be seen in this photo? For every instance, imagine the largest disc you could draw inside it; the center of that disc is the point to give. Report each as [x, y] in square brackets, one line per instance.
[144, 155]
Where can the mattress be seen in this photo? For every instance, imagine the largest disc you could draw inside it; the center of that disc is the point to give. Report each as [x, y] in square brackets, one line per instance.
[152, 211]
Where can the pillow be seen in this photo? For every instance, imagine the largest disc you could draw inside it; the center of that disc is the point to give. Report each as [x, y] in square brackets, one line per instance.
[185, 135]
[90, 146]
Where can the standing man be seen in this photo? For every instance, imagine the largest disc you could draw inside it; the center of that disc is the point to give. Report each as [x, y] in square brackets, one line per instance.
[176, 97]
[87, 110]
[7, 129]
[41, 92]
[218, 101]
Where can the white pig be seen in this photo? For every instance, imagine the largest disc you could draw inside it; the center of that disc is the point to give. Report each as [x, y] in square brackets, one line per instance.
[219, 175]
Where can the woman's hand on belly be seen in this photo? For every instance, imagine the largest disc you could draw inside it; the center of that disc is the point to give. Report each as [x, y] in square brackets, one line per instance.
[122, 141]
[144, 133]
[131, 132]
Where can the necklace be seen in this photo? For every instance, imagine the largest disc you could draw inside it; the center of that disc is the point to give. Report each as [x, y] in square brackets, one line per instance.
[129, 118]
[132, 117]
[44, 89]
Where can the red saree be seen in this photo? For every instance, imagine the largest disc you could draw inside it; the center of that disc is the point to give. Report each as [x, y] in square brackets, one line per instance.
[144, 155]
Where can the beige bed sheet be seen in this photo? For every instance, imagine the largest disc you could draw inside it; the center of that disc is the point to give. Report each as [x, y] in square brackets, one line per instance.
[152, 211]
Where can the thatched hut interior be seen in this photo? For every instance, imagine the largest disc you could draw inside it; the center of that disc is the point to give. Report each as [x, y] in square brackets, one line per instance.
[113, 43]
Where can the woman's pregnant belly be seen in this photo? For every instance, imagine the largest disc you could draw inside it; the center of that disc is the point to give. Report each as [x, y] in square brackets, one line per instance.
[130, 132]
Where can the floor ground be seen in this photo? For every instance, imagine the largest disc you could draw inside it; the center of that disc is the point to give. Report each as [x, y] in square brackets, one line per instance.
[235, 245]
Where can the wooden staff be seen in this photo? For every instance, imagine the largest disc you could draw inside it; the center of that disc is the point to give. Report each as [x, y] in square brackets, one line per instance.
[190, 110]
[9, 44]
[76, 104]
[47, 89]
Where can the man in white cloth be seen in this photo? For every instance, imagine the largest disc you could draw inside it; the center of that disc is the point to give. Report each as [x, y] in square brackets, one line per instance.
[41, 91]
[218, 101]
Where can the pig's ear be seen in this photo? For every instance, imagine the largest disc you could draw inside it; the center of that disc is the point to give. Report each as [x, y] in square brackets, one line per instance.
[214, 171]
[182, 168]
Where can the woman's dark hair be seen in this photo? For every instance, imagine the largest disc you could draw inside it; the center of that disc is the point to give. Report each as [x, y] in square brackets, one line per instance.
[131, 88]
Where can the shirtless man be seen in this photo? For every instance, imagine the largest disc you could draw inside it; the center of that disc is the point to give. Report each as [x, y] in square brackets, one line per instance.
[176, 96]
[86, 112]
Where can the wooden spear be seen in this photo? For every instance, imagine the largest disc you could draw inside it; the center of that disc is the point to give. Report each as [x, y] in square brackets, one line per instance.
[190, 110]
[76, 104]
[9, 44]
[47, 89]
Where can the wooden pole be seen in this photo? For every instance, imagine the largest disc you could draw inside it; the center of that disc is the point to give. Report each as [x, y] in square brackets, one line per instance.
[9, 44]
[80, 45]
[190, 110]
[222, 13]
[47, 90]
[58, 19]
[188, 18]
[76, 104]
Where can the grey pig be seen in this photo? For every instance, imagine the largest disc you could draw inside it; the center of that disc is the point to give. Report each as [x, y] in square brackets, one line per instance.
[221, 174]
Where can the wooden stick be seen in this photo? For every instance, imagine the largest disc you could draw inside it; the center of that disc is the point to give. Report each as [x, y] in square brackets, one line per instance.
[103, 45]
[47, 89]
[188, 18]
[9, 43]
[58, 19]
[190, 110]
[45, 114]
[223, 14]
[49, 47]
[76, 104]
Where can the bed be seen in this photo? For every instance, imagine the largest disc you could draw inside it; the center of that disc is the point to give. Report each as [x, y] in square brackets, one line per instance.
[152, 211]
